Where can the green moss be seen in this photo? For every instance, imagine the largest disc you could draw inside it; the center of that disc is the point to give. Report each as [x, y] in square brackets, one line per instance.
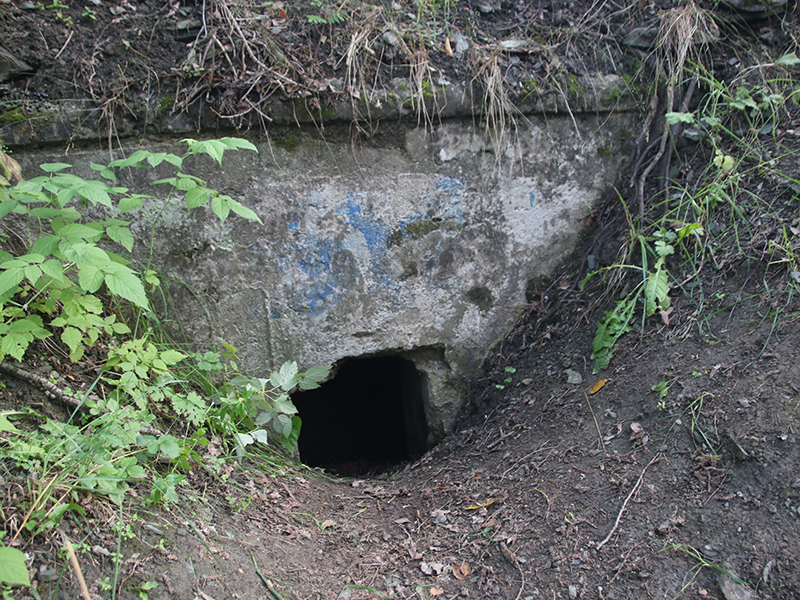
[165, 104]
[574, 87]
[288, 143]
[418, 230]
[611, 96]
[603, 152]
[12, 116]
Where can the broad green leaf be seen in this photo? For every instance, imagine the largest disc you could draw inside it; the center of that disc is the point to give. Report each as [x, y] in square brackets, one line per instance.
[32, 258]
[287, 374]
[156, 158]
[656, 291]
[53, 268]
[13, 570]
[197, 197]
[675, 117]
[82, 253]
[31, 324]
[132, 161]
[10, 279]
[172, 357]
[610, 330]
[788, 60]
[286, 407]
[104, 171]
[121, 235]
[259, 435]
[214, 148]
[187, 182]
[192, 406]
[124, 283]
[220, 207]
[313, 377]
[169, 445]
[95, 192]
[289, 441]
[243, 211]
[90, 278]
[6, 425]
[243, 439]
[175, 161]
[33, 273]
[129, 203]
[54, 167]
[7, 204]
[663, 248]
[14, 344]
[45, 245]
[72, 337]
[76, 230]
[237, 143]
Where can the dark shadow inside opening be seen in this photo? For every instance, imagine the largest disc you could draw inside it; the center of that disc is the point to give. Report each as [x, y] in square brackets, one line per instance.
[369, 416]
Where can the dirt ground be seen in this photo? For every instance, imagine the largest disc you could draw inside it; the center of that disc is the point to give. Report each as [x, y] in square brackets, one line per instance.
[524, 500]
[678, 478]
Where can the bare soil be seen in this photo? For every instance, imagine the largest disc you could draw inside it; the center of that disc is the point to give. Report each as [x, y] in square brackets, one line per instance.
[547, 489]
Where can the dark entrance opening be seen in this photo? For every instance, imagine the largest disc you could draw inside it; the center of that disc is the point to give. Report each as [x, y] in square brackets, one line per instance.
[370, 415]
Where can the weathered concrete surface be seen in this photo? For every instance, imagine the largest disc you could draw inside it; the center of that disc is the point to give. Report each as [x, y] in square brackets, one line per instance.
[421, 247]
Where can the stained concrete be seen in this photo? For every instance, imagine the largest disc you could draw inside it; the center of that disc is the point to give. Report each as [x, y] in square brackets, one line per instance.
[418, 243]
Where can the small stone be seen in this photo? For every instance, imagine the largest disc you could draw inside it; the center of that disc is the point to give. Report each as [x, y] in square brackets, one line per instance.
[46, 574]
[691, 134]
[730, 588]
[573, 377]
[572, 590]
[152, 529]
[390, 38]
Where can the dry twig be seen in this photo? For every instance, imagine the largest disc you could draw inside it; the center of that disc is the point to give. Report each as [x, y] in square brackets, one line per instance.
[655, 459]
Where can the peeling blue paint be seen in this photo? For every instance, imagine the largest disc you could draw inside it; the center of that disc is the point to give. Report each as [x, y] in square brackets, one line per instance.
[533, 198]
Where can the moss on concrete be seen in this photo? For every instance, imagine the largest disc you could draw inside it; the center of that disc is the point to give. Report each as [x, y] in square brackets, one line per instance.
[418, 230]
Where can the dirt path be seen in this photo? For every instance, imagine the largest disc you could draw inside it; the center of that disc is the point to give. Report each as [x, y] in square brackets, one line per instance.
[523, 501]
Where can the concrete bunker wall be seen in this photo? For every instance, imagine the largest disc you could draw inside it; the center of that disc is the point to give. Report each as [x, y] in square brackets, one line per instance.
[421, 248]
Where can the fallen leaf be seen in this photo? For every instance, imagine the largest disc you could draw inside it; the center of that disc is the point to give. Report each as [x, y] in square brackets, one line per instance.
[447, 48]
[434, 568]
[461, 570]
[484, 504]
[402, 521]
[436, 591]
[327, 523]
[597, 386]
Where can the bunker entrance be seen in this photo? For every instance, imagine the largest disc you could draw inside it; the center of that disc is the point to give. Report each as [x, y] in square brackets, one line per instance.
[370, 415]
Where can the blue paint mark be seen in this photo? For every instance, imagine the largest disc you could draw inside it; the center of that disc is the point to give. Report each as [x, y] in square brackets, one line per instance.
[450, 184]
[533, 198]
[374, 233]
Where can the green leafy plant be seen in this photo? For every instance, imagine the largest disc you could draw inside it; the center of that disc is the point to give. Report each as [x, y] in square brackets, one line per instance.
[327, 15]
[69, 280]
[653, 290]
[247, 404]
[508, 379]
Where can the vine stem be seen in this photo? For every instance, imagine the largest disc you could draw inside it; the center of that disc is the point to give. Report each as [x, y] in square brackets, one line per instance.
[56, 393]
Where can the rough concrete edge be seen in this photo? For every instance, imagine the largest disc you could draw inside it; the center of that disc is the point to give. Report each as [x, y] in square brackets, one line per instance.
[86, 122]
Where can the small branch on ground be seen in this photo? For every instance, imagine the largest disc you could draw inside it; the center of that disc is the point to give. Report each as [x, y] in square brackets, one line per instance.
[655, 459]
